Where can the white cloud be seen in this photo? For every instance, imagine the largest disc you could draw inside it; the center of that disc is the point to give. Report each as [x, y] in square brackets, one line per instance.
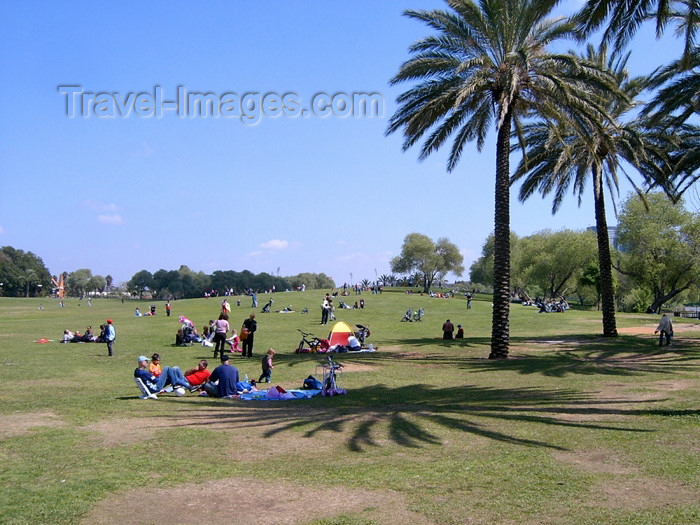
[110, 219]
[275, 244]
[2, 231]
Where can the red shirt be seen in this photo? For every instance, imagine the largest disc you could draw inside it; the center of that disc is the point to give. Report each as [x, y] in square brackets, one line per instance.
[198, 377]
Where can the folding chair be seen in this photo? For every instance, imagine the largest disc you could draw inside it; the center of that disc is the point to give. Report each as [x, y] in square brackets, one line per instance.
[147, 394]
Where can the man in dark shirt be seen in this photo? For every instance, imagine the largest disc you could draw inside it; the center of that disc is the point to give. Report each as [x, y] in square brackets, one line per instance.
[227, 377]
[251, 325]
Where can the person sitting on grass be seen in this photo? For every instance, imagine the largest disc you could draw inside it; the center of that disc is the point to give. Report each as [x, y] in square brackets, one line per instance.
[154, 368]
[198, 375]
[169, 376]
[222, 381]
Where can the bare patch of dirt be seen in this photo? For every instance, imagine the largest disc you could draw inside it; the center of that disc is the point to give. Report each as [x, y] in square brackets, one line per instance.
[357, 367]
[641, 493]
[597, 461]
[648, 329]
[250, 430]
[242, 501]
[644, 391]
[20, 423]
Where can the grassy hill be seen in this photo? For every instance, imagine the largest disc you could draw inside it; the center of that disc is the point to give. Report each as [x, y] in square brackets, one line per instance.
[573, 429]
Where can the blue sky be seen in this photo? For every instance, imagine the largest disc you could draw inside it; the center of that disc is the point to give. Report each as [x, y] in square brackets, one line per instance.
[290, 193]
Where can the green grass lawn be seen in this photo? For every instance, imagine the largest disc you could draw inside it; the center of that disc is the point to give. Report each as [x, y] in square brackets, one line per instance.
[573, 429]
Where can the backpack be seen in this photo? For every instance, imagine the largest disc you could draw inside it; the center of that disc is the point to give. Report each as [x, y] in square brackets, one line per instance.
[311, 383]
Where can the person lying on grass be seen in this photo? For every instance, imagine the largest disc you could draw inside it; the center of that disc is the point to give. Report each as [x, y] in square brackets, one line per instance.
[198, 375]
[169, 376]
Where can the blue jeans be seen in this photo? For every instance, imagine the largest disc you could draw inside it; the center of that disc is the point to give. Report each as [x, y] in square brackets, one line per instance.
[266, 376]
[171, 375]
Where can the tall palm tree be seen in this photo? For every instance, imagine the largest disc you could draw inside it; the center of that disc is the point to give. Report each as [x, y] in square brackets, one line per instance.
[624, 19]
[558, 157]
[680, 90]
[488, 64]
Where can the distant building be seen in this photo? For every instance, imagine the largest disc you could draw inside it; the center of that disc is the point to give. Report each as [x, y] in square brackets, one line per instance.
[612, 237]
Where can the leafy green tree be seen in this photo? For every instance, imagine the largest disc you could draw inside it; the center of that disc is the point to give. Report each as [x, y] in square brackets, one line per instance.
[559, 157]
[141, 282]
[481, 270]
[97, 283]
[311, 281]
[78, 282]
[22, 273]
[489, 64]
[590, 278]
[662, 247]
[419, 253]
[553, 261]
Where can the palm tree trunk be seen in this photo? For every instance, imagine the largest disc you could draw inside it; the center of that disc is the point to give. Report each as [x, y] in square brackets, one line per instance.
[604, 260]
[500, 324]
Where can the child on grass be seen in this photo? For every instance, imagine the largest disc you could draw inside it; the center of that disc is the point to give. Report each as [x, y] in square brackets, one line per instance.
[267, 366]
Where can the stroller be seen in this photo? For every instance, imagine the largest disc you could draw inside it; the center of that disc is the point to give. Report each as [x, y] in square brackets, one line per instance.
[362, 333]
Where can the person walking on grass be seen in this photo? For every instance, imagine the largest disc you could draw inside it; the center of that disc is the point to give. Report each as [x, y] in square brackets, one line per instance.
[267, 366]
[221, 328]
[665, 330]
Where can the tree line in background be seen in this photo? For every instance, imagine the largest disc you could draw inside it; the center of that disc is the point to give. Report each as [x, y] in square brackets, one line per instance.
[184, 283]
[658, 264]
[23, 274]
[658, 261]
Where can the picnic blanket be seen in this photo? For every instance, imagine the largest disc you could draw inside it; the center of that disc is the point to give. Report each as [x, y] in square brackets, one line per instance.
[274, 394]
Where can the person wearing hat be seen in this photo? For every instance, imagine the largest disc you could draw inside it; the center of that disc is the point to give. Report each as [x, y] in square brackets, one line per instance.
[460, 332]
[110, 336]
[222, 381]
[171, 375]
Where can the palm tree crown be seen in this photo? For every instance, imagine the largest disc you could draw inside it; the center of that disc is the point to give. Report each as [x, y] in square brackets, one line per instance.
[488, 64]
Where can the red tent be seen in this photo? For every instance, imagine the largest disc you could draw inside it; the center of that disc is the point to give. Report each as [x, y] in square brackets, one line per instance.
[339, 334]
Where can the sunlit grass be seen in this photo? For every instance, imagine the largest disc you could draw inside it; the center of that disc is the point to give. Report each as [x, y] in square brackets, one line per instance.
[548, 436]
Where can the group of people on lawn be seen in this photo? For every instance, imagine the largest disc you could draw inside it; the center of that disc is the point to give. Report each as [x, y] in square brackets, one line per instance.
[224, 381]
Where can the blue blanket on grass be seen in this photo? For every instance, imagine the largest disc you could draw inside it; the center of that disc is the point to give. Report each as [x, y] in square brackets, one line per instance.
[261, 395]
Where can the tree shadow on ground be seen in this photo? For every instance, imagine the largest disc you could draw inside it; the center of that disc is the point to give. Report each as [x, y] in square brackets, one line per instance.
[404, 414]
[559, 357]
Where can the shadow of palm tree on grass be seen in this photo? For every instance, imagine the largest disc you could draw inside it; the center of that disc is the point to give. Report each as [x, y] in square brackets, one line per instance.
[404, 414]
[582, 355]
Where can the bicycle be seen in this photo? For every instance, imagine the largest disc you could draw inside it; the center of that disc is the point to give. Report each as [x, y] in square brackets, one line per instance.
[330, 385]
[312, 343]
